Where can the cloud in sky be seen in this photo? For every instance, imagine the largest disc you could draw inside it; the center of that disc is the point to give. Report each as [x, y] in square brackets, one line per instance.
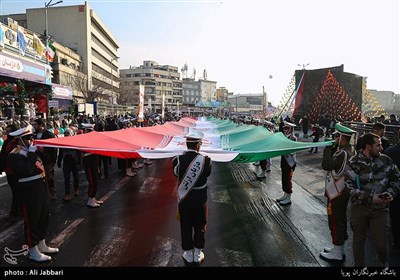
[241, 43]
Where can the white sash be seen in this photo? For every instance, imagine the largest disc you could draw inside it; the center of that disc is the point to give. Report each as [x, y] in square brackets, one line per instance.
[191, 176]
[290, 159]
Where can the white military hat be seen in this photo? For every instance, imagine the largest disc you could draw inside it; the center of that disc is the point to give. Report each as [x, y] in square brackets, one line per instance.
[25, 131]
[88, 125]
[194, 136]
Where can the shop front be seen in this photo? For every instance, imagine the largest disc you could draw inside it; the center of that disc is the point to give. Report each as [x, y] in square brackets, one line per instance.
[61, 100]
[25, 79]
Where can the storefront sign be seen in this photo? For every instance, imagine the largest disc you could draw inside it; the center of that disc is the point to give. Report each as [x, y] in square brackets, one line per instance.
[53, 103]
[22, 68]
[62, 92]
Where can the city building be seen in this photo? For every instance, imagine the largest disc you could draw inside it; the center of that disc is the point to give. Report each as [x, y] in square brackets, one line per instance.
[161, 82]
[191, 92]
[386, 99]
[246, 103]
[25, 77]
[80, 29]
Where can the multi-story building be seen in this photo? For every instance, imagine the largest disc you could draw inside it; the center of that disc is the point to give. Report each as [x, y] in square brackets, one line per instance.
[246, 103]
[79, 28]
[208, 89]
[385, 98]
[222, 94]
[191, 93]
[25, 76]
[159, 81]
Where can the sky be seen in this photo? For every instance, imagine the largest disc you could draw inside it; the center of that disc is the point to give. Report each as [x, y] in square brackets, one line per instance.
[245, 45]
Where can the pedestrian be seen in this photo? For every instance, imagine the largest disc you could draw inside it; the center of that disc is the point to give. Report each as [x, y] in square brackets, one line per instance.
[378, 129]
[394, 209]
[70, 159]
[334, 161]
[27, 166]
[304, 125]
[288, 165]
[374, 181]
[192, 170]
[317, 132]
[91, 165]
[265, 164]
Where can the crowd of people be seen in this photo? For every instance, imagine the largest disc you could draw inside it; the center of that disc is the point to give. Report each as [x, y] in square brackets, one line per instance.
[365, 174]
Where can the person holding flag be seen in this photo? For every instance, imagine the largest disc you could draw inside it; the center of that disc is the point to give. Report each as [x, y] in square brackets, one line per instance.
[192, 170]
[334, 161]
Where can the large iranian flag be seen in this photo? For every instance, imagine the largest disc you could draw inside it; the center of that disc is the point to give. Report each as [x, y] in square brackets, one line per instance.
[223, 141]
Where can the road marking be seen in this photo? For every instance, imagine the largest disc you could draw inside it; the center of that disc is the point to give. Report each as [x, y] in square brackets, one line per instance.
[66, 233]
[231, 258]
[111, 248]
[166, 252]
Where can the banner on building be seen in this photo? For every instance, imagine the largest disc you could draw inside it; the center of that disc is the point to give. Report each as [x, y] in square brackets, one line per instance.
[141, 103]
[163, 105]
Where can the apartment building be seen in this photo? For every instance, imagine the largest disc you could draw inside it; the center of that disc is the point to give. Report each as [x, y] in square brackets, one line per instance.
[159, 81]
[80, 29]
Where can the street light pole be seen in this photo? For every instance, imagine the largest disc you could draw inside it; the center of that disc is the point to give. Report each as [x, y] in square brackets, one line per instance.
[112, 84]
[303, 65]
[46, 32]
[264, 102]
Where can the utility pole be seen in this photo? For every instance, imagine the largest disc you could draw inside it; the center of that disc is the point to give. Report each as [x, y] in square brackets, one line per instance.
[263, 108]
[46, 34]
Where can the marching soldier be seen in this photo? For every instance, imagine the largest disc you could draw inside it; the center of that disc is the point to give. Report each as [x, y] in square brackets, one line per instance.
[288, 164]
[91, 165]
[192, 169]
[334, 161]
[28, 168]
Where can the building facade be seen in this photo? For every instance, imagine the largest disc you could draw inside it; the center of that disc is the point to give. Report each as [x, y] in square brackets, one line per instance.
[162, 85]
[80, 29]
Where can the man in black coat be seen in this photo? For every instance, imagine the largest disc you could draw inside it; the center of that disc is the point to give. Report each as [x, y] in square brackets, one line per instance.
[192, 169]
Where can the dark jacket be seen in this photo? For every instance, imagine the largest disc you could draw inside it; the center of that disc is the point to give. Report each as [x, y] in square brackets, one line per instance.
[48, 155]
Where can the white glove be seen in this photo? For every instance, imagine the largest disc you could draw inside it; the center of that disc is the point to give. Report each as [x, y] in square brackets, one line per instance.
[32, 148]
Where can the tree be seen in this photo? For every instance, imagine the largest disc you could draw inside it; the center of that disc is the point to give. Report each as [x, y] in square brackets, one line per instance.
[99, 90]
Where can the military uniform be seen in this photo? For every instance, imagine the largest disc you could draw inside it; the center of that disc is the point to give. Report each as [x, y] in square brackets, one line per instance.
[288, 165]
[333, 160]
[193, 207]
[28, 168]
[91, 165]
